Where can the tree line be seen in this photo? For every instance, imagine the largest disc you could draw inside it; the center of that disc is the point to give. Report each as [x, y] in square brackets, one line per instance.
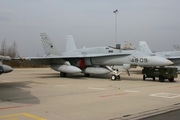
[12, 52]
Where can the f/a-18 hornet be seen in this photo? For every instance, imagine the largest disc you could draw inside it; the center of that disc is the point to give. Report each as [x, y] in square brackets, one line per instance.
[95, 60]
[5, 68]
[174, 56]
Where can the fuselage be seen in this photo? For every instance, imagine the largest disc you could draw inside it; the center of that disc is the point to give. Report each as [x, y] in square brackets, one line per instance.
[113, 56]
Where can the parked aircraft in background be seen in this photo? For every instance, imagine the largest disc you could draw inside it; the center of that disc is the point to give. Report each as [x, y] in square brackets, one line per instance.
[5, 68]
[176, 47]
[174, 56]
[96, 60]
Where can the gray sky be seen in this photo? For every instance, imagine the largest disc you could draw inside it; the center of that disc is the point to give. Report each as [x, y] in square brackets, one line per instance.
[91, 22]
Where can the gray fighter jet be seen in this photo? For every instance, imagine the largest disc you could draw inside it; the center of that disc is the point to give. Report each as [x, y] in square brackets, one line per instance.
[5, 68]
[96, 60]
[174, 56]
[176, 47]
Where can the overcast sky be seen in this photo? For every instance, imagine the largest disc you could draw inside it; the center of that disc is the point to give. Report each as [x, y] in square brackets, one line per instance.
[91, 22]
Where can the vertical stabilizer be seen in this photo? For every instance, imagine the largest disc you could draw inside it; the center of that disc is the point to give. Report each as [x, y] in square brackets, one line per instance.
[70, 44]
[143, 46]
[176, 47]
[48, 45]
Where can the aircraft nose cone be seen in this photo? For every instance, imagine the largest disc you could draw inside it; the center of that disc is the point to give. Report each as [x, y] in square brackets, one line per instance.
[160, 61]
[170, 62]
[166, 62]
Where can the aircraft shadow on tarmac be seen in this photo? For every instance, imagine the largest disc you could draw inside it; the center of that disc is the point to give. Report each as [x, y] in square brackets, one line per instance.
[73, 76]
[124, 76]
[82, 77]
[14, 92]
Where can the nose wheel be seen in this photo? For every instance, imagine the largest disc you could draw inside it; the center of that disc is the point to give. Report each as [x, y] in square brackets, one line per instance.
[115, 73]
[115, 77]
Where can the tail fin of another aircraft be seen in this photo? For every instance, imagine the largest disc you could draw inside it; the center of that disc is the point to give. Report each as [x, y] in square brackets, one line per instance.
[176, 47]
[70, 44]
[48, 45]
[143, 46]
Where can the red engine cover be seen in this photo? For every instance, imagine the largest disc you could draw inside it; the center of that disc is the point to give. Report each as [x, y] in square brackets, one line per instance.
[81, 63]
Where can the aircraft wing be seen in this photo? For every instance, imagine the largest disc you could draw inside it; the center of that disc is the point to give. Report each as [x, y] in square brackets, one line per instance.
[77, 56]
[84, 55]
[60, 59]
[5, 58]
[36, 60]
[173, 57]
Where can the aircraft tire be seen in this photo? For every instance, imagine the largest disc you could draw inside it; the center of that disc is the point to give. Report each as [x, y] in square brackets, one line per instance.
[113, 77]
[62, 74]
[86, 75]
[118, 77]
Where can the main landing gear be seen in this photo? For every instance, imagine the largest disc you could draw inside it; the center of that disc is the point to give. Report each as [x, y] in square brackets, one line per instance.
[62, 74]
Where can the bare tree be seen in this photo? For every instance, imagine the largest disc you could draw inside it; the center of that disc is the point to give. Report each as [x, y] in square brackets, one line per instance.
[12, 50]
[13, 53]
[3, 48]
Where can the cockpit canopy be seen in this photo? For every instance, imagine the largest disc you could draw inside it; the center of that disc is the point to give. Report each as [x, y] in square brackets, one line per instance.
[126, 46]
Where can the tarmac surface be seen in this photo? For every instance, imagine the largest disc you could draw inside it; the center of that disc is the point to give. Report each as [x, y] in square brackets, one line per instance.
[40, 94]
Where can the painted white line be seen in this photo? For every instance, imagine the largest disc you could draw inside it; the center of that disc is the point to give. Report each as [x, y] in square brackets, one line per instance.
[97, 88]
[165, 95]
[131, 91]
[6, 81]
[60, 85]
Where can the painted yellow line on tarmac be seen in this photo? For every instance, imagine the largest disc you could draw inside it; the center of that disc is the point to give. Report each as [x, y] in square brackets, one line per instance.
[22, 114]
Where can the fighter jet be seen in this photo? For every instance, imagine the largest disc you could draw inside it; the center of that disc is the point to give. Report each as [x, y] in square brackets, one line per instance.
[174, 56]
[5, 68]
[95, 60]
[176, 47]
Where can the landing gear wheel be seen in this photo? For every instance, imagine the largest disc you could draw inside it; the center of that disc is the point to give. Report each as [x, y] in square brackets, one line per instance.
[113, 77]
[62, 74]
[118, 77]
[86, 75]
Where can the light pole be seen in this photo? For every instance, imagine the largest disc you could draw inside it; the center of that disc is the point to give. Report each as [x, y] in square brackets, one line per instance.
[116, 12]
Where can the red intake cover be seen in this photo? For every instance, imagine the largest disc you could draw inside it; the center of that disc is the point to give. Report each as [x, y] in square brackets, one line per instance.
[81, 63]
